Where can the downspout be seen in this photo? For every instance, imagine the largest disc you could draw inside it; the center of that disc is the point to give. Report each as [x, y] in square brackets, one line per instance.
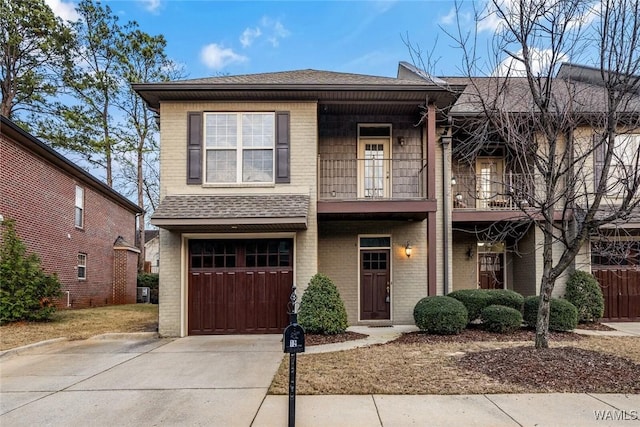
[445, 140]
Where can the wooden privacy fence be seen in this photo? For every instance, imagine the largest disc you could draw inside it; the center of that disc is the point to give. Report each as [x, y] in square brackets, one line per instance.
[621, 290]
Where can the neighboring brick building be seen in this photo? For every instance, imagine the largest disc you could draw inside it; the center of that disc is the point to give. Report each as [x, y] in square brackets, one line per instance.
[78, 226]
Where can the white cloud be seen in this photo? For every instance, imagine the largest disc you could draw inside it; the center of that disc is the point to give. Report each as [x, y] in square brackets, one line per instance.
[151, 5]
[64, 10]
[249, 35]
[217, 57]
[449, 18]
[540, 63]
[274, 30]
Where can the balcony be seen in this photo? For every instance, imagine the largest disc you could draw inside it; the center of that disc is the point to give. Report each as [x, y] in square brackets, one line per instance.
[492, 192]
[373, 188]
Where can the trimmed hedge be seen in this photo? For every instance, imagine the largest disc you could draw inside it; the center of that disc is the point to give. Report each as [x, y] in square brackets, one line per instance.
[321, 308]
[506, 297]
[440, 315]
[501, 319]
[563, 315]
[583, 291]
[476, 300]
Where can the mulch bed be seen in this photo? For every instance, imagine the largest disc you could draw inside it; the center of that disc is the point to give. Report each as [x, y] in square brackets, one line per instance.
[595, 326]
[562, 369]
[318, 339]
[472, 334]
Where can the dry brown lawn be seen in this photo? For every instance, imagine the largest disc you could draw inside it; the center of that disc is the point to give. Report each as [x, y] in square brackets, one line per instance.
[81, 324]
[425, 368]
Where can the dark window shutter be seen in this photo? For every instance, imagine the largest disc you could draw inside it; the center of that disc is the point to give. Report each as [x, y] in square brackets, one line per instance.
[282, 147]
[194, 148]
[598, 159]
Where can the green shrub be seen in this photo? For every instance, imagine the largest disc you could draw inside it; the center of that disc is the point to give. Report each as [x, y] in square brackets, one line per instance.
[27, 293]
[505, 297]
[501, 319]
[584, 292]
[563, 315]
[321, 308]
[474, 300]
[149, 280]
[440, 315]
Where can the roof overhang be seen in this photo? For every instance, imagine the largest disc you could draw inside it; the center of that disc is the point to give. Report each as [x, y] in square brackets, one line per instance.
[415, 95]
[233, 213]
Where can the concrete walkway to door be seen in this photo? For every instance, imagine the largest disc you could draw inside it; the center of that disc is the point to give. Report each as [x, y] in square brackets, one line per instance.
[204, 380]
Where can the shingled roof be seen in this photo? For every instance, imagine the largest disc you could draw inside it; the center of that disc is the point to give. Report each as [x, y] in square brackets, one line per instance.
[309, 85]
[233, 212]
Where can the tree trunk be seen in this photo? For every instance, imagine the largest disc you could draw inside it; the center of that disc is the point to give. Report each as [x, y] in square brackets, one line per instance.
[546, 288]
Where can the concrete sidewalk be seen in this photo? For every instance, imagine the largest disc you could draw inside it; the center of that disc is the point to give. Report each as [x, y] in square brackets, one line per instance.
[555, 409]
[141, 380]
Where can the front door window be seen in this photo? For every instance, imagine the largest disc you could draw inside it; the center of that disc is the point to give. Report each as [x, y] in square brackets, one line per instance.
[491, 265]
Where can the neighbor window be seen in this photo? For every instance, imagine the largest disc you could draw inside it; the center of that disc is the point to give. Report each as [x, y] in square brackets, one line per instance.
[239, 147]
[82, 266]
[624, 163]
[79, 207]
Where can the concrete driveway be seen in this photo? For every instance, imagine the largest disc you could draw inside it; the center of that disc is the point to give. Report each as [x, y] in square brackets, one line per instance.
[212, 380]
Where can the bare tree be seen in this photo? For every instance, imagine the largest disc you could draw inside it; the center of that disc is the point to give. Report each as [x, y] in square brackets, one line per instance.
[142, 58]
[568, 130]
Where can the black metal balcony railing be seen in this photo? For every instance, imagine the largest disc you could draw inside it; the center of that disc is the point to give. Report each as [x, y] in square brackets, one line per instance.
[509, 191]
[369, 179]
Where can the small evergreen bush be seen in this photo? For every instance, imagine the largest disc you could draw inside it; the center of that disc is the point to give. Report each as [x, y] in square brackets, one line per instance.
[563, 315]
[474, 300]
[505, 297]
[584, 292]
[27, 293]
[321, 308]
[501, 319]
[440, 315]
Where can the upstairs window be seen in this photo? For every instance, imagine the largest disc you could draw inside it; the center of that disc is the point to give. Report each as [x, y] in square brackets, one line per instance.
[239, 147]
[79, 221]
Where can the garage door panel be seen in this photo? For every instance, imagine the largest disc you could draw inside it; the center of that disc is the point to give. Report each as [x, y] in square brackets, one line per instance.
[621, 291]
[231, 297]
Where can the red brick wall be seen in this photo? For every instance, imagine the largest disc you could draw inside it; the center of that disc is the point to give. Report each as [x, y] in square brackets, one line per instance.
[41, 199]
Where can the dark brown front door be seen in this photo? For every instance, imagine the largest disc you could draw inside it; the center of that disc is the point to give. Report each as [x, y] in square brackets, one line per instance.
[375, 285]
[239, 287]
[490, 270]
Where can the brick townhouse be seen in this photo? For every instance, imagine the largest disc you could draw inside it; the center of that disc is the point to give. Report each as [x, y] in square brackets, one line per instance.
[270, 178]
[81, 229]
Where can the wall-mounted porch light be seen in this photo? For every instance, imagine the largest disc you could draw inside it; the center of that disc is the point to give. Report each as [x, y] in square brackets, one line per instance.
[469, 252]
[408, 250]
[401, 141]
[453, 180]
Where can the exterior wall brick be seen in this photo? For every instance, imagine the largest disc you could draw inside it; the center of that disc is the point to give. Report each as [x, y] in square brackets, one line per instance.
[339, 258]
[40, 197]
[303, 154]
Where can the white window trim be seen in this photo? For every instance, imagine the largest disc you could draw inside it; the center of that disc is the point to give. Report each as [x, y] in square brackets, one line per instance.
[81, 266]
[239, 149]
[81, 207]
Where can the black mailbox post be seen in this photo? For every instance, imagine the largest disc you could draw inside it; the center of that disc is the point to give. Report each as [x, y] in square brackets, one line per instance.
[293, 343]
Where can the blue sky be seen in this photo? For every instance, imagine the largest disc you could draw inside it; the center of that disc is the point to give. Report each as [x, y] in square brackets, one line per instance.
[238, 37]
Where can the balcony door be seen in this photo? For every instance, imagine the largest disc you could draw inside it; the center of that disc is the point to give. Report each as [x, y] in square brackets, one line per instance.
[489, 171]
[374, 174]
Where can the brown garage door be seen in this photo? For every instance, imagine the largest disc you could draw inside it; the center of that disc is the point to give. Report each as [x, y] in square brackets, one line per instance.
[239, 286]
[621, 290]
